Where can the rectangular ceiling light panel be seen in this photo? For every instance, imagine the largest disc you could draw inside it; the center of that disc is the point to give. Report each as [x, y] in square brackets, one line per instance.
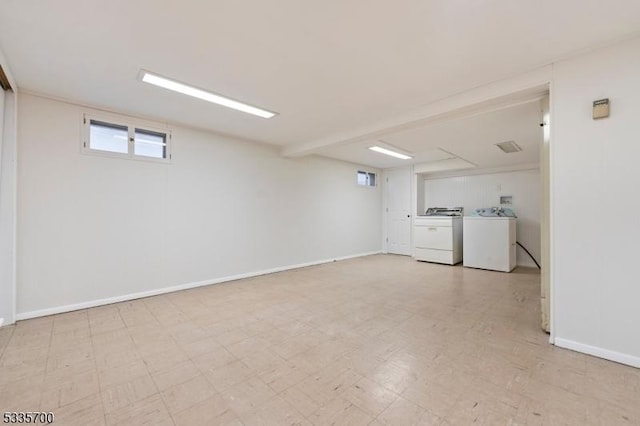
[204, 95]
[389, 152]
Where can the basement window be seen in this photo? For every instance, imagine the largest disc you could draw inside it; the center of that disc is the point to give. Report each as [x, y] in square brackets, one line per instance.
[121, 139]
[108, 137]
[366, 178]
[150, 144]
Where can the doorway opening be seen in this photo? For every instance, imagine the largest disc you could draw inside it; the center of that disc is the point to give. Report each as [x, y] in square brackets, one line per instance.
[458, 162]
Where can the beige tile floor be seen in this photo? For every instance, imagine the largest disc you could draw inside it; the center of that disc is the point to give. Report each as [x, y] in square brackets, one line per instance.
[381, 340]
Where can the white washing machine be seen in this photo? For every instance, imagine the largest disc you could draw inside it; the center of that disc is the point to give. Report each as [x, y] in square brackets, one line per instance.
[489, 243]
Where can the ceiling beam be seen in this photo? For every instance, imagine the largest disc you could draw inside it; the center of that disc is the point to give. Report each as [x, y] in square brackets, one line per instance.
[490, 97]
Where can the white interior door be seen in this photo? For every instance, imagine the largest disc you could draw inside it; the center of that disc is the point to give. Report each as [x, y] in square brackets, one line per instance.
[398, 211]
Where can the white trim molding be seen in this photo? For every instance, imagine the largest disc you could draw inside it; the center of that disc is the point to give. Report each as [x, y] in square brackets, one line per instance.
[631, 360]
[132, 296]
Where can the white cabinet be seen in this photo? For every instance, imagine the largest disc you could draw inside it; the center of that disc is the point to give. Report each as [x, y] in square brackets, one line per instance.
[438, 239]
[490, 243]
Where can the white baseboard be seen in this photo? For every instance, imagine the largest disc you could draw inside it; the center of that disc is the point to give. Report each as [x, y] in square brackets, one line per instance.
[155, 292]
[631, 360]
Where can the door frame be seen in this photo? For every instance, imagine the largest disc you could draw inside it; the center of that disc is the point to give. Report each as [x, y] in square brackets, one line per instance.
[545, 213]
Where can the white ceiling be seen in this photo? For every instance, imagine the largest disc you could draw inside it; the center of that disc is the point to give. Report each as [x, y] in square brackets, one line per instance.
[327, 66]
[471, 138]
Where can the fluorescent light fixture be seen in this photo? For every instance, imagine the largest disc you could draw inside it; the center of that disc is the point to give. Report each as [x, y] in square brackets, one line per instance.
[185, 89]
[389, 152]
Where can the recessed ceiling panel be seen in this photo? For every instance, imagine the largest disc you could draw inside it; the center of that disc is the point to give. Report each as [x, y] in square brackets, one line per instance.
[361, 154]
[472, 139]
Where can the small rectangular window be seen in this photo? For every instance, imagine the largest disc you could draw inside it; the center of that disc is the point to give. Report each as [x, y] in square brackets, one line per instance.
[108, 137]
[125, 140]
[150, 144]
[366, 178]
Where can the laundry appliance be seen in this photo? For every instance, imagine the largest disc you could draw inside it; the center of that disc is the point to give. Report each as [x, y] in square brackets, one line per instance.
[490, 241]
[438, 235]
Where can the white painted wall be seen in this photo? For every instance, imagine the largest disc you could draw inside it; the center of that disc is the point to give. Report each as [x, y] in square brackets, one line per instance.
[595, 205]
[1, 117]
[5, 301]
[8, 187]
[93, 227]
[484, 190]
